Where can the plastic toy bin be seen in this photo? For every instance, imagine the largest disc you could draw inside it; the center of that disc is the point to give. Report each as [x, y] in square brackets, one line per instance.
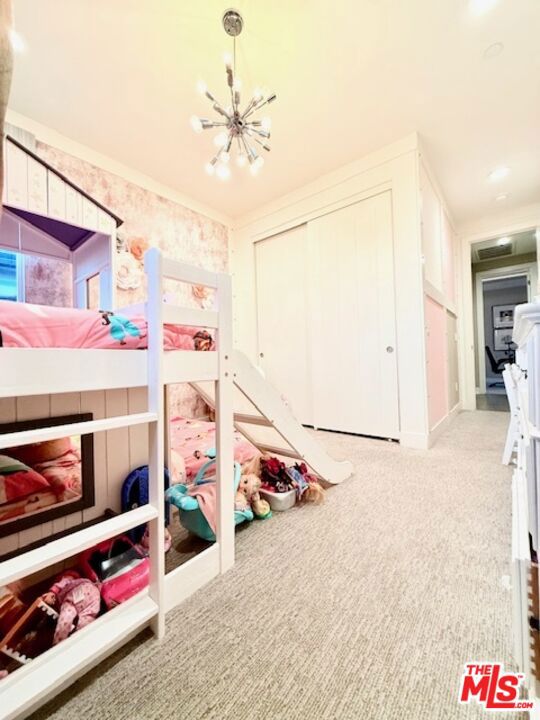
[279, 501]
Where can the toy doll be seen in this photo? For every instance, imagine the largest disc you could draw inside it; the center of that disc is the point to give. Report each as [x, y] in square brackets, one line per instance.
[78, 600]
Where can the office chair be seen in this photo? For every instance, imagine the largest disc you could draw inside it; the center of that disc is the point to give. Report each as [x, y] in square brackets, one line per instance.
[497, 366]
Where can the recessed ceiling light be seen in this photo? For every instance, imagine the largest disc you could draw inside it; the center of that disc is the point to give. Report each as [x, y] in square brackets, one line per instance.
[504, 241]
[493, 51]
[17, 43]
[502, 197]
[499, 173]
[480, 7]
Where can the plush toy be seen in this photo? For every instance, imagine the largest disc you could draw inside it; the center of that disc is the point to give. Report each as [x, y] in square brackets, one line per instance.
[249, 487]
[178, 468]
[79, 602]
[313, 491]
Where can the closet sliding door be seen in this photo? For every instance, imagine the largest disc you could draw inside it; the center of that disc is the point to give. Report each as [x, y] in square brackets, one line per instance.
[352, 317]
[283, 317]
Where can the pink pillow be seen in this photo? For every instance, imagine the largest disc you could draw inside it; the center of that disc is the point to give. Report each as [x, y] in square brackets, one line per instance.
[17, 480]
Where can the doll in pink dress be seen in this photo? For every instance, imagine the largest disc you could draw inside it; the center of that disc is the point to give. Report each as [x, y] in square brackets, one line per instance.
[78, 601]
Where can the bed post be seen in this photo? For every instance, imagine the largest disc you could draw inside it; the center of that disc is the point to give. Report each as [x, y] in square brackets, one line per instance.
[154, 272]
[225, 426]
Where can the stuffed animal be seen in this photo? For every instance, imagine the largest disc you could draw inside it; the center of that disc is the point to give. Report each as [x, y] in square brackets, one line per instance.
[314, 492]
[249, 487]
[79, 602]
[178, 468]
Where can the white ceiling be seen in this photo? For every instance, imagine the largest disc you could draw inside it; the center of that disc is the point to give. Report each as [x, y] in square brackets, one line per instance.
[350, 75]
[520, 244]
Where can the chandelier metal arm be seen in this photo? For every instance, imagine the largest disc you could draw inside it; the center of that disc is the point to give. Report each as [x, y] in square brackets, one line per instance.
[258, 105]
[263, 133]
[263, 145]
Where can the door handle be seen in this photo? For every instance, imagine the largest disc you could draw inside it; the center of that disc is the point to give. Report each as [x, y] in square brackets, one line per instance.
[261, 355]
[389, 349]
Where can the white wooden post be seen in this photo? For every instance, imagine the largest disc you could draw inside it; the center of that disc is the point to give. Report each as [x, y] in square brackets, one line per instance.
[512, 435]
[224, 427]
[153, 267]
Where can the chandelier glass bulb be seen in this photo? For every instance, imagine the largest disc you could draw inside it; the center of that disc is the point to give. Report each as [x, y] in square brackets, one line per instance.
[221, 139]
[196, 124]
[239, 128]
[223, 172]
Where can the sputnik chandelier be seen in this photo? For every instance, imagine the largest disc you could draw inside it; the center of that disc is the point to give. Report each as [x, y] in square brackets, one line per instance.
[239, 130]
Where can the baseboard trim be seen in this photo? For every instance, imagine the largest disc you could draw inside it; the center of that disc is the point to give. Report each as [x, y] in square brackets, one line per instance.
[416, 441]
[442, 425]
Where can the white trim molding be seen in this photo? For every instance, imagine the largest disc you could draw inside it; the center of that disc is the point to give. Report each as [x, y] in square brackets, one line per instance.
[520, 220]
[503, 223]
[527, 270]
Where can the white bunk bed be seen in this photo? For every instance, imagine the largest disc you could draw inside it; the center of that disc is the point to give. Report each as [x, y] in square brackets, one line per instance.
[522, 381]
[37, 196]
[30, 371]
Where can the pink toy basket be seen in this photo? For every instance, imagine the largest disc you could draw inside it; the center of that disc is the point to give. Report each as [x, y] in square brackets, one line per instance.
[120, 568]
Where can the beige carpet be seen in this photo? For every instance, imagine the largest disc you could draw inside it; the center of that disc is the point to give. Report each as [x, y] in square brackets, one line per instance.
[364, 608]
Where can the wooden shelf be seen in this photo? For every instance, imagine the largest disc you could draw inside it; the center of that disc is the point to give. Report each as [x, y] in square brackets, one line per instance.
[34, 683]
[57, 550]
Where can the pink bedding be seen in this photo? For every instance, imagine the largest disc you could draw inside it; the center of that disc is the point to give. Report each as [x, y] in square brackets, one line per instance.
[25, 325]
[60, 475]
[27, 505]
[191, 438]
[63, 474]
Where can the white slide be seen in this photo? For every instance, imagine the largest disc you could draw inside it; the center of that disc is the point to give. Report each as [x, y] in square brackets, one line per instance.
[265, 419]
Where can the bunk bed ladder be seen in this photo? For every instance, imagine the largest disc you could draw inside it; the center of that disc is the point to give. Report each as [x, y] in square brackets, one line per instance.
[153, 263]
[224, 425]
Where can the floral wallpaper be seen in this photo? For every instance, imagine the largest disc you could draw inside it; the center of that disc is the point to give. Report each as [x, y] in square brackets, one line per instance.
[47, 281]
[149, 220]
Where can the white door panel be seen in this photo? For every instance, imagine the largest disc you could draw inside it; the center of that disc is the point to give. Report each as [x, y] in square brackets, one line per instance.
[353, 320]
[283, 317]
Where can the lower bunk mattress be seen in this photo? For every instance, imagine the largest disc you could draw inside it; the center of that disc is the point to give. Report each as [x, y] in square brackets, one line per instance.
[190, 439]
[41, 326]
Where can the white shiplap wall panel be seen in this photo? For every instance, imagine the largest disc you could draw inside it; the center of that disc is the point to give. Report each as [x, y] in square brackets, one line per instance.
[118, 461]
[116, 452]
[57, 196]
[89, 214]
[37, 187]
[138, 434]
[17, 176]
[73, 206]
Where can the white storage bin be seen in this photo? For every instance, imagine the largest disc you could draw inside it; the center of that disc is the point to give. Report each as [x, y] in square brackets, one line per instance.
[279, 501]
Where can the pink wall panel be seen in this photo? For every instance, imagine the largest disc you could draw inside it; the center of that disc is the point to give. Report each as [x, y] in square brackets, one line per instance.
[436, 348]
[447, 237]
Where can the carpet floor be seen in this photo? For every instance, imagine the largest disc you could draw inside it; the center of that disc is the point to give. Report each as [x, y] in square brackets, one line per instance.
[364, 608]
